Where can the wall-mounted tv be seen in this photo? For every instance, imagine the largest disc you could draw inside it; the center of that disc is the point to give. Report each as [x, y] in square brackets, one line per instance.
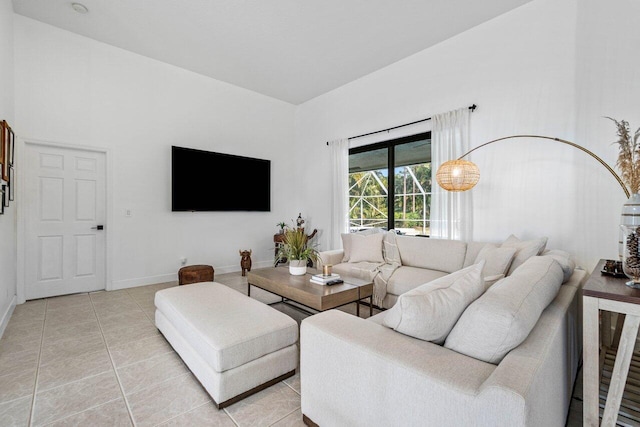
[207, 181]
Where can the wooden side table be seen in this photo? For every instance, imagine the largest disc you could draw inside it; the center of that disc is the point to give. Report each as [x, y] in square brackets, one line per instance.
[609, 294]
[277, 240]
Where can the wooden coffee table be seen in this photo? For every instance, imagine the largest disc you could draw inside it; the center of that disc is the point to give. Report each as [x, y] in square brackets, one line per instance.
[318, 297]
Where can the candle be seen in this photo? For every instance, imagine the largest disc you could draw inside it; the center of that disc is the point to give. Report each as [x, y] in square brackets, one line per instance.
[326, 270]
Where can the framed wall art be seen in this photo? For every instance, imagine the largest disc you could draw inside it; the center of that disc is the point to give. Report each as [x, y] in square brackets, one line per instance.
[7, 158]
[12, 147]
[4, 194]
[12, 183]
[6, 149]
[4, 134]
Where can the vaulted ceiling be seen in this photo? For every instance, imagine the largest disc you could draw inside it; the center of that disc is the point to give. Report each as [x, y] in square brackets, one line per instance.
[293, 50]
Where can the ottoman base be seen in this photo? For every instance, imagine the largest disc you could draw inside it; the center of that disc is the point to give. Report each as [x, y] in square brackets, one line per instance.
[254, 390]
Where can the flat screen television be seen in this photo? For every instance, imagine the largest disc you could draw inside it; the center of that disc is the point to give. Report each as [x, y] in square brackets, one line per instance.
[208, 181]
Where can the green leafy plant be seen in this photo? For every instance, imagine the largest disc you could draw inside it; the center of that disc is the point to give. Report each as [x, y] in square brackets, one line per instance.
[295, 246]
[282, 225]
[628, 155]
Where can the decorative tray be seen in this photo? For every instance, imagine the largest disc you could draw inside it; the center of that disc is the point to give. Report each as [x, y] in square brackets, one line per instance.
[613, 273]
[613, 268]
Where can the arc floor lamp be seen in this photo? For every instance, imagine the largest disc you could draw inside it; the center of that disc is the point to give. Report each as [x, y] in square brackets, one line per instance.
[463, 175]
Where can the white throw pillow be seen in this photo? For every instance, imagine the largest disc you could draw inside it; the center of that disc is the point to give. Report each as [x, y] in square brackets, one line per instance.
[433, 254]
[346, 240]
[489, 281]
[525, 249]
[565, 261]
[497, 260]
[346, 246]
[366, 248]
[502, 318]
[429, 311]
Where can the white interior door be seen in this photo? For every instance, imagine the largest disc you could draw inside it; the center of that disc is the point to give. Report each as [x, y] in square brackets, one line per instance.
[65, 200]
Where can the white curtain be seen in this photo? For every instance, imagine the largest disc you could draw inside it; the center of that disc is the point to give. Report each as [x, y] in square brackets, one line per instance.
[340, 191]
[451, 212]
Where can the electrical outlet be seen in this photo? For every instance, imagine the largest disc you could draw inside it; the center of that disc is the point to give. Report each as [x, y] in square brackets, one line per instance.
[127, 213]
[183, 260]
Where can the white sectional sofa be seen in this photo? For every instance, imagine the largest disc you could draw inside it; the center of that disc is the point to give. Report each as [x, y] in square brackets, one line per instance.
[360, 372]
[417, 260]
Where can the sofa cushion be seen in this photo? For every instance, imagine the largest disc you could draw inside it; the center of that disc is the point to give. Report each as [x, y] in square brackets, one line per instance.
[346, 246]
[406, 278]
[497, 260]
[366, 248]
[346, 240]
[473, 249]
[429, 311]
[502, 318]
[489, 281]
[434, 254]
[565, 261]
[524, 250]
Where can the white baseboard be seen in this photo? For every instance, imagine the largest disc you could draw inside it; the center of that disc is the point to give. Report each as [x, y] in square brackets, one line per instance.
[171, 277]
[236, 268]
[142, 281]
[7, 315]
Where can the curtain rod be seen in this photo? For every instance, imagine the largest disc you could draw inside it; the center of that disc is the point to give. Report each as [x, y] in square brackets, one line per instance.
[472, 108]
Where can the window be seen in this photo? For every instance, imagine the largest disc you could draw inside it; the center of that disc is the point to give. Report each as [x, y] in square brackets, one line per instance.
[398, 200]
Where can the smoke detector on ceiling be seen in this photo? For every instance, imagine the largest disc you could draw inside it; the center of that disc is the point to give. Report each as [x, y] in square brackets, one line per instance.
[80, 8]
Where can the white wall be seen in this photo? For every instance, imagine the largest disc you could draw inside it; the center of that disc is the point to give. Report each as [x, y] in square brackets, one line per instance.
[8, 220]
[523, 71]
[607, 84]
[73, 90]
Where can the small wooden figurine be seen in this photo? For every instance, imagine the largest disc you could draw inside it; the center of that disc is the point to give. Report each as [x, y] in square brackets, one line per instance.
[245, 261]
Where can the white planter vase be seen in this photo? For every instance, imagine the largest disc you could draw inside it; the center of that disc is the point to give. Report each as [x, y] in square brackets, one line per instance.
[297, 267]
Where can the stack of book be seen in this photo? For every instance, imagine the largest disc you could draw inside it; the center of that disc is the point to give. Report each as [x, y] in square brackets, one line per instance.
[322, 279]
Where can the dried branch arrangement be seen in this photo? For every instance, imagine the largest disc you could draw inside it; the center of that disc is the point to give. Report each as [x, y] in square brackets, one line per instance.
[628, 155]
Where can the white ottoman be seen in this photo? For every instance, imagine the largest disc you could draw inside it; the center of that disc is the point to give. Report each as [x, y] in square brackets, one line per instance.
[234, 345]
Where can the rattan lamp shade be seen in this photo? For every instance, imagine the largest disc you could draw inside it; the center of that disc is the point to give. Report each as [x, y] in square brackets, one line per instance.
[458, 175]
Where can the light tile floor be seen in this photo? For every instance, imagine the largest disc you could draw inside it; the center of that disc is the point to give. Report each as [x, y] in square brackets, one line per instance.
[97, 359]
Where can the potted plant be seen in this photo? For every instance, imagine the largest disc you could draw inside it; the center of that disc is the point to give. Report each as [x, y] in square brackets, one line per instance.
[282, 226]
[294, 248]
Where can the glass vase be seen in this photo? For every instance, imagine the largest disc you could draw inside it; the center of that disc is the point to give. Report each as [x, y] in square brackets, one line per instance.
[631, 255]
[630, 217]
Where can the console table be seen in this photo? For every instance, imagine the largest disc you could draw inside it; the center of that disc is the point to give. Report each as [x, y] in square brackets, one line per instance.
[610, 294]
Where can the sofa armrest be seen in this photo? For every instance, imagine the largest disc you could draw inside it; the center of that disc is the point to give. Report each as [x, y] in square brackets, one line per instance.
[541, 371]
[330, 257]
[356, 372]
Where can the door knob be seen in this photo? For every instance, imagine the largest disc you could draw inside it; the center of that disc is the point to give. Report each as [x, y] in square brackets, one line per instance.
[98, 227]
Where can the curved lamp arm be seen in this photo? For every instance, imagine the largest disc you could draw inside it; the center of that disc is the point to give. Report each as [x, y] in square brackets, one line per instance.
[462, 175]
